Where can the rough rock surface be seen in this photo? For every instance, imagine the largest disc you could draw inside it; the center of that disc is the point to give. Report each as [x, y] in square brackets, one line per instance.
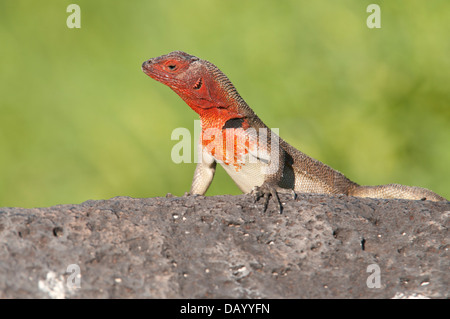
[225, 247]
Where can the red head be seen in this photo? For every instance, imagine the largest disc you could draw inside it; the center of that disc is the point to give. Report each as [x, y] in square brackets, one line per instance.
[198, 82]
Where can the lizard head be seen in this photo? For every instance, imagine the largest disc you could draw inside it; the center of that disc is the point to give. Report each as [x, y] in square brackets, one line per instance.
[198, 82]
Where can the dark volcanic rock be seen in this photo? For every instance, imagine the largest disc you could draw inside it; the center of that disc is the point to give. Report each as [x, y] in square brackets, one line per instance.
[225, 247]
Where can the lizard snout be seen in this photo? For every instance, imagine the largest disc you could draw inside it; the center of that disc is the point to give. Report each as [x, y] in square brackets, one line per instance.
[146, 63]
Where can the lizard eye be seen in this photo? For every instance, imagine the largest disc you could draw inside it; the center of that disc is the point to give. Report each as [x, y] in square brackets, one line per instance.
[172, 67]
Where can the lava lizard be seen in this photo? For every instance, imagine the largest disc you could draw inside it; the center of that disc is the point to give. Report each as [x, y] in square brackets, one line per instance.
[256, 159]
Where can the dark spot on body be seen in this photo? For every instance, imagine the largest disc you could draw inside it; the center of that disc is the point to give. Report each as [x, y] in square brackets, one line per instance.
[234, 123]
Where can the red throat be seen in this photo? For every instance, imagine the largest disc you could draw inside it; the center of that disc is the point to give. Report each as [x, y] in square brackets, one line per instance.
[213, 116]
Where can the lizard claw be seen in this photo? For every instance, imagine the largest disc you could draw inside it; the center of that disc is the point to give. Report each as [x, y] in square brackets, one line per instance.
[294, 194]
[267, 191]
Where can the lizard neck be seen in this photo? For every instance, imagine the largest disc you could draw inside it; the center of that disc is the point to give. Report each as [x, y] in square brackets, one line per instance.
[216, 116]
[224, 102]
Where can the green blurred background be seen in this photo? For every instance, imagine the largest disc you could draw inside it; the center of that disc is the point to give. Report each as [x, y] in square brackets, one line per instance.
[79, 120]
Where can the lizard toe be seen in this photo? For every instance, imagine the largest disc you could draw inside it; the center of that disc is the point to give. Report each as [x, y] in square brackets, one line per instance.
[267, 191]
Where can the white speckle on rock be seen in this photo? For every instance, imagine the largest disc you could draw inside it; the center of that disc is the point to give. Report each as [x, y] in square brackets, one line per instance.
[400, 295]
[53, 286]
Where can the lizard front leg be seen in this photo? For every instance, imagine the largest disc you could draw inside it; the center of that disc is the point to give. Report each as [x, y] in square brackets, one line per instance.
[273, 175]
[204, 174]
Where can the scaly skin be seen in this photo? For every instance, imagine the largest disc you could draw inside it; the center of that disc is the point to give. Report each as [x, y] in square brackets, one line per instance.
[233, 135]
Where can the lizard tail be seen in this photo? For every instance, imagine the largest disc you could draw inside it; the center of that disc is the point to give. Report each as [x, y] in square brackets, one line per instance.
[396, 191]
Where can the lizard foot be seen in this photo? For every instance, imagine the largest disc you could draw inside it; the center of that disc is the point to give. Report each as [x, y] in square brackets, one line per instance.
[267, 191]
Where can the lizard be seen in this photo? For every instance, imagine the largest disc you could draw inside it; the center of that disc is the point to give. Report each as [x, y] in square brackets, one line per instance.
[257, 159]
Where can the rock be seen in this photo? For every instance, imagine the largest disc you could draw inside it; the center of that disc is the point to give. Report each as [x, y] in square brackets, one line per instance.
[225, 247]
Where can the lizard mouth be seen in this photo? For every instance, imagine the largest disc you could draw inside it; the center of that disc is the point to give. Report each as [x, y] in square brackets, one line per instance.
[148, 69]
